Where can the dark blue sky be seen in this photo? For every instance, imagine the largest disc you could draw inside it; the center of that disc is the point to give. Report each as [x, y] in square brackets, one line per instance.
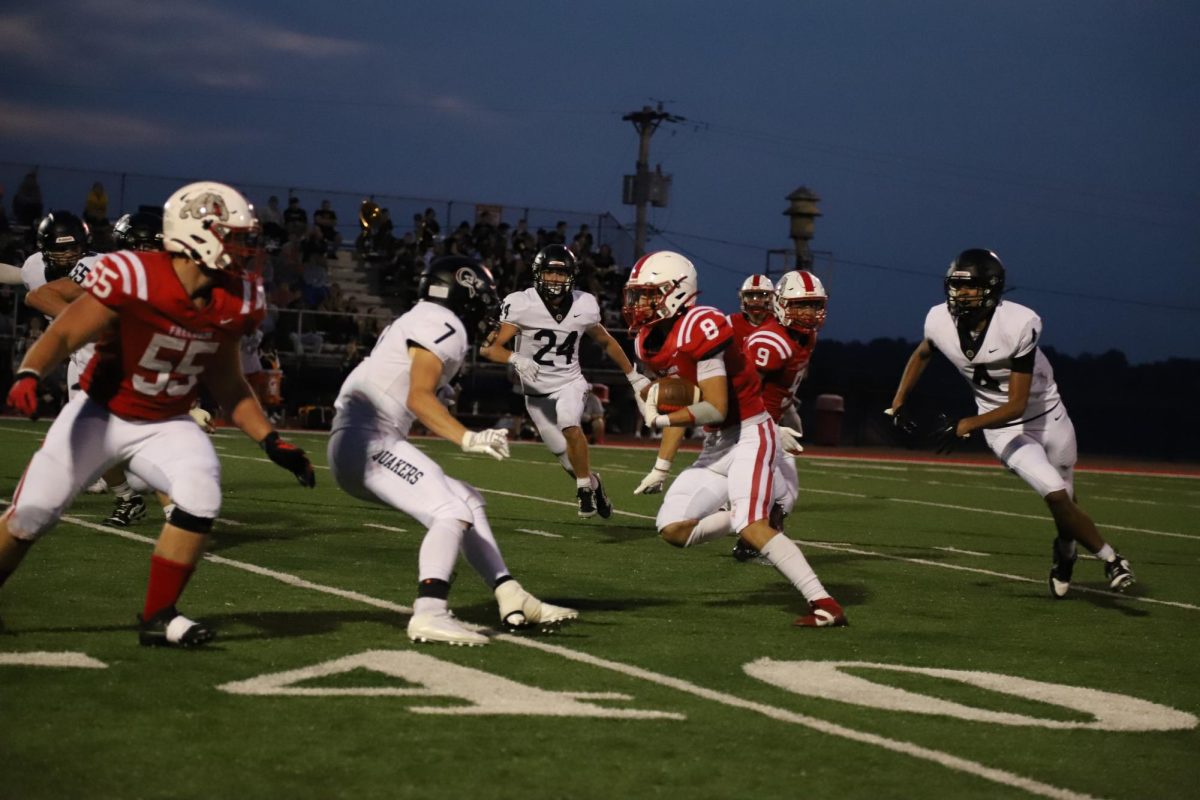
[1063, 135]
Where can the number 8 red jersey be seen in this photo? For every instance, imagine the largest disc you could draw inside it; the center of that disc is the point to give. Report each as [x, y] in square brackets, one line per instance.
[702, 333]
[149, 366]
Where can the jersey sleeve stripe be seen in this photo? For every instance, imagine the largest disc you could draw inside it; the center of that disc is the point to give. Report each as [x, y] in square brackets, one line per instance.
[122, 268]
[139, 270]
[692, 318]
[771, 338]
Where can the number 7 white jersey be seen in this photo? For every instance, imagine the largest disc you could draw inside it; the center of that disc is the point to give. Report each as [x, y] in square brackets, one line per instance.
[987, 363]
[550, 337]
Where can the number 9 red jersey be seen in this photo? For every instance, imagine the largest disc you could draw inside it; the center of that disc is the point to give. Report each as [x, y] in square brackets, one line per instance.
[149, 366]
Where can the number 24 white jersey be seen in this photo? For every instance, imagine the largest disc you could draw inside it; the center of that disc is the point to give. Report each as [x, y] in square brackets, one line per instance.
[986, 363]
[550, 338]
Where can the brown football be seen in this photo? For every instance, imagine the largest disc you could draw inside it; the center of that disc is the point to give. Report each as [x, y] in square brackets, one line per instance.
[675, 393]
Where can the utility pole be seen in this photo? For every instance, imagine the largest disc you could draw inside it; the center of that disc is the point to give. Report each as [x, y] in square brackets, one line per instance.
[645, 186]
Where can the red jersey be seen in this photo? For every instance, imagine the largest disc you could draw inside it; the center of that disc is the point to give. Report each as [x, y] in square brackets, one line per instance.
[780, 359]
[149, 366]
[702, 333]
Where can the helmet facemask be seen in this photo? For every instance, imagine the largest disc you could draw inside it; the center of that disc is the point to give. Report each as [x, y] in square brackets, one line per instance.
[645, 304]
[969, 298]
[802, 314]
[756, 304]
[554, 280]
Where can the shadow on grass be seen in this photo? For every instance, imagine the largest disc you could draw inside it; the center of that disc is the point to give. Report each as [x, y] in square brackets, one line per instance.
[784, 596]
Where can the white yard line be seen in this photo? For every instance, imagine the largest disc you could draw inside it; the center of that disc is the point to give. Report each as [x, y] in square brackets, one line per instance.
[384, 527]
[938, 757]
[547, 534]
[955, 550]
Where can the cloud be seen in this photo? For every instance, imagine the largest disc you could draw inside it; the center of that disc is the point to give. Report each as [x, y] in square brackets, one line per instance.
[74, 126]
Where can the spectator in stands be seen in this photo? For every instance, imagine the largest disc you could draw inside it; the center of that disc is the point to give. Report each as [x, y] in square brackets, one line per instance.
[295, 218]
[316, 272]
[95, 208]
[27, 202]
[524, 245]
[581, 245]
[430, 229]
[325, 219]
[271, 214]
[482, 235]
[559, 234]
[4, 226]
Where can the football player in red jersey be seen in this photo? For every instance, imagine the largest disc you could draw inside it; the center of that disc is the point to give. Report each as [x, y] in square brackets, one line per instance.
[165, 322]
[675, 336]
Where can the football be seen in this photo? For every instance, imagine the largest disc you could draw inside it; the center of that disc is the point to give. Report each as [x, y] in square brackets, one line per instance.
[675, 393]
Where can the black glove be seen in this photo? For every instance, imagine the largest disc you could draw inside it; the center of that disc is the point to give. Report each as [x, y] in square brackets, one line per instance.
[290, 457]
[903, 421]
[944, 436]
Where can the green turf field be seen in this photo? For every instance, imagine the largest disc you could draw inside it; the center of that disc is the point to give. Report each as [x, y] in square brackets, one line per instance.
[958, 677]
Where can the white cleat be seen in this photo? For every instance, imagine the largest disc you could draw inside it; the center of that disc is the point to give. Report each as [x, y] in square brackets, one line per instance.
[518, 608]
[443, 627]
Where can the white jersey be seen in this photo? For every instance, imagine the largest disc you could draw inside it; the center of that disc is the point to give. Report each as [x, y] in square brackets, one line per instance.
[33, 275]
[375, 394]
[550, 339]
[33, 271]
[986, 362]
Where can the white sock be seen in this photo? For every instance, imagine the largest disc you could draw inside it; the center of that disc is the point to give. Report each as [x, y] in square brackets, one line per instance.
[429, 605]
[786, 557]
[1106, 553]
[714, 526]
[123, 490]
[439, 549]
[583, 483]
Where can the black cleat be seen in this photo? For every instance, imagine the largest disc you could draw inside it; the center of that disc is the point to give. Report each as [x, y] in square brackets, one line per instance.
[603, 504]
[587, 502]
[169, 628]
[1120, 576]
[744, 552]
[1061, 569]
[127, 512]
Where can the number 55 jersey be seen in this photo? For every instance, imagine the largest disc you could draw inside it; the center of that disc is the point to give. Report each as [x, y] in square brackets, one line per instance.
[149, 365]
[550, 335]
[1008, 344]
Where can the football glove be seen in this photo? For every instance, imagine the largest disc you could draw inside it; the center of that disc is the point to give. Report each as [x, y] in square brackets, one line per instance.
[290, 457]
[790, 439]
[493, 442]
[901, 420]
[638, 381]
[202, 418]
[23, 396]
[653, 483]
[945, 434]
[650, 413]
[525, 367]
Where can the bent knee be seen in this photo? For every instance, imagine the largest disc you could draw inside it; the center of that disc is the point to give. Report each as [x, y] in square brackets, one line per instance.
[676, 533]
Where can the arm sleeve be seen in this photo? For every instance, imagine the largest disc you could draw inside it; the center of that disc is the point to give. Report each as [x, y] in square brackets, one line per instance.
[113, 287]
[443, 335]
[706, 334]
[710, 368]
[510, 309]
[589, 313]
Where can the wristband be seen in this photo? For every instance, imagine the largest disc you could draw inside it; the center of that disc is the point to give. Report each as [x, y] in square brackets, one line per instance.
[662, 464]
[27, 373]
[662, 421]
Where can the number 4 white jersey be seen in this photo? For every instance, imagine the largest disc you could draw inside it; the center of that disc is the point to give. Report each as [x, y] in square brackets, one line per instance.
[550, 338]
[1008, 342]
[375, 394]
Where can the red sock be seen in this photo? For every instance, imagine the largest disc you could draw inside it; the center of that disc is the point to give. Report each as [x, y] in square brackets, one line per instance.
[167, 579]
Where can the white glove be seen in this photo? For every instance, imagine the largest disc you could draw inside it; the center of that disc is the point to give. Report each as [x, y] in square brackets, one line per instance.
[653, 483]
[790, 438]
[493, 442]
[525, 367]
[654, 420]
[638, 381]
[202, 418]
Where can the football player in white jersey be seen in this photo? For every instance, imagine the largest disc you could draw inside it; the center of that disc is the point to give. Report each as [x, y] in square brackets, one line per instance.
[549, 320]
[992, 342]
[371, 458]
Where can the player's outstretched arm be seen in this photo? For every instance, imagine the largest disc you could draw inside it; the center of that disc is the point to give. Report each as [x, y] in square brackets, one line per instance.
[52, 298]
[1019, 384]
[912, 373]
[656, 479]
[424, 377]
[75, 327]
[496, 349]
[10, 275]
[612, 348]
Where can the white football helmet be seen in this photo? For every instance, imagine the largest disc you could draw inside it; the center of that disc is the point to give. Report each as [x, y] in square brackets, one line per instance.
[757, 296]
[800, 300]
[212, 224]
[660, 286]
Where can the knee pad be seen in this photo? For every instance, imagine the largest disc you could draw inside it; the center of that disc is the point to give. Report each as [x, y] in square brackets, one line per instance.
[27, 524]
[468, 494]
[190, 522]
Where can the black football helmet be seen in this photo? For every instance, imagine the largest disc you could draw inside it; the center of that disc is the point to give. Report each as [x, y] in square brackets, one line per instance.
[464, 286]
[63, 238]
[980, 272]
[554, 258]
[141, 231]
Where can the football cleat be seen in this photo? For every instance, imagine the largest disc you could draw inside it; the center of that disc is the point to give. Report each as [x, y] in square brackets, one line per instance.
[825, 613]
[1061, 568]
[520, 609]
[127, 512]
[587, 502]
[1120, 576]
[169, 628]
[603, 505]
[441, 626]
[743, 551]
